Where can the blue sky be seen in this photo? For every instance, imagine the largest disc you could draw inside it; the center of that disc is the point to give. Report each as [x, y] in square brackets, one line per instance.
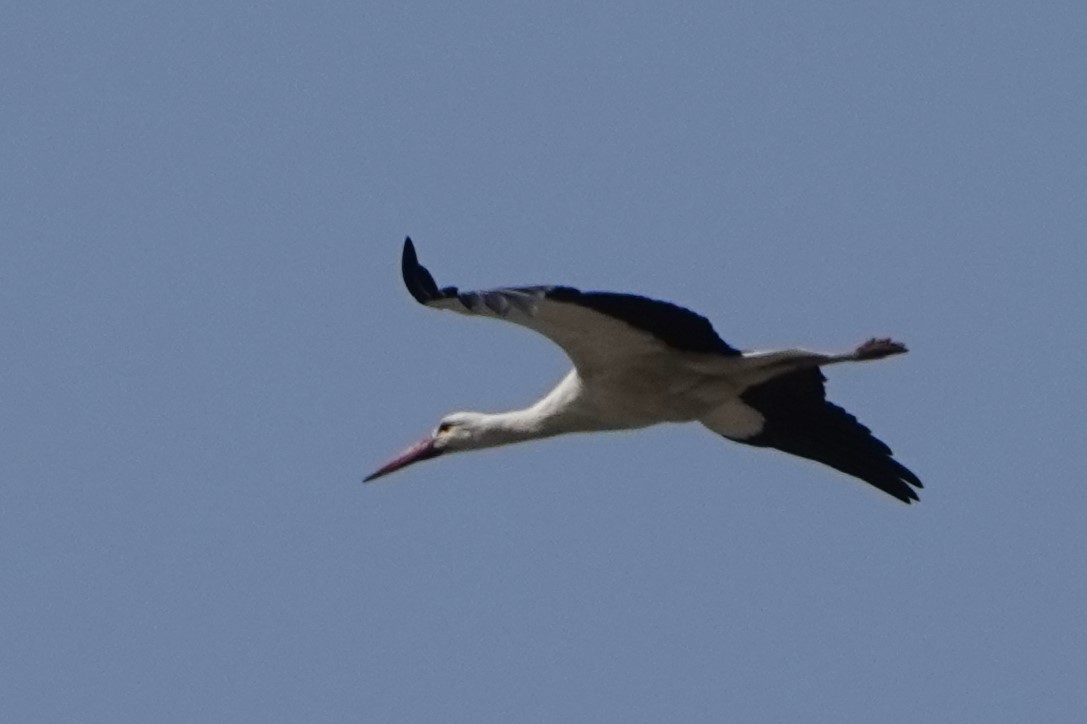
[207, 345]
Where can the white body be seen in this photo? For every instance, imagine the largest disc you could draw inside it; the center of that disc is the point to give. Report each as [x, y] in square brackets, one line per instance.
[640, 362]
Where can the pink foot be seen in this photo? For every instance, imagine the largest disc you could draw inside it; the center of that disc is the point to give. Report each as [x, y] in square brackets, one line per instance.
[878, 349]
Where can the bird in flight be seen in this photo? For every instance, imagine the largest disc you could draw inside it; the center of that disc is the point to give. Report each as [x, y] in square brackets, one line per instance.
[640, 362]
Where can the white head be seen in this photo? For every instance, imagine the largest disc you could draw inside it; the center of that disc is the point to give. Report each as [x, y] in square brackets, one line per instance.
[455, 432]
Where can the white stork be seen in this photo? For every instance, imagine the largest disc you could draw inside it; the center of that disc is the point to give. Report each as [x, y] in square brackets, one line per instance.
[640, 362]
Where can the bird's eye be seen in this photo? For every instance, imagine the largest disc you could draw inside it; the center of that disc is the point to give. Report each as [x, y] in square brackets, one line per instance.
[444, 428]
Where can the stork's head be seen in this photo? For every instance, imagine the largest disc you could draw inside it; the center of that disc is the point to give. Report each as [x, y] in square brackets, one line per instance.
[455, 432]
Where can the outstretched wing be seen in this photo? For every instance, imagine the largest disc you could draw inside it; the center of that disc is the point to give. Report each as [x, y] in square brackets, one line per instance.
[791, 413]
[597, 330]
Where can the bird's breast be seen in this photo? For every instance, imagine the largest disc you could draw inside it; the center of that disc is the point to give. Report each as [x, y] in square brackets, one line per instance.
[637, 397]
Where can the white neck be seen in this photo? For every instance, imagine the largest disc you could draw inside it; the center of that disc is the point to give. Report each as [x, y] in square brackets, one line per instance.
[558, 412]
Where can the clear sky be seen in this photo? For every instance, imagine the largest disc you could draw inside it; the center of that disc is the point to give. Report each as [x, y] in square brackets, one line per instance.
[206, 345]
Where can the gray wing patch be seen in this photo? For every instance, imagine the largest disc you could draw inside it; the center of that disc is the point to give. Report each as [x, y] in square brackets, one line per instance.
[500, 302]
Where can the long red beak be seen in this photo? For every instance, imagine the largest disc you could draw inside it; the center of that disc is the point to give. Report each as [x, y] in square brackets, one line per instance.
[423, 450]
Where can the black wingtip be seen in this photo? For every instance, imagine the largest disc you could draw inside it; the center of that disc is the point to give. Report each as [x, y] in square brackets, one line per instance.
[416, 278]
[909, 497]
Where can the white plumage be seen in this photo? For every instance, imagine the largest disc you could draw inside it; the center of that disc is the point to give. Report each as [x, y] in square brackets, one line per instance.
[640, 361]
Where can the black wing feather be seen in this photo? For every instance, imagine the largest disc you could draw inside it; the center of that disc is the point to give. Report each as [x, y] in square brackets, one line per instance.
[672, 324]
[800, 421]
[418, 280]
